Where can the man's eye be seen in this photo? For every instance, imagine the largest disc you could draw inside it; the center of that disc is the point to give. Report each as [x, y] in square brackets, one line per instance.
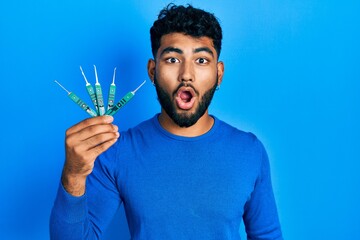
[202, 60]
[172, 60]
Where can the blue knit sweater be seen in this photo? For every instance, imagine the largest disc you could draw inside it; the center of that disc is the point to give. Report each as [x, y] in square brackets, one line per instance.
[175, 187]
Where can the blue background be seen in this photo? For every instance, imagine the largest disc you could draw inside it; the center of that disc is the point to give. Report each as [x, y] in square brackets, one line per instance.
[292, 77]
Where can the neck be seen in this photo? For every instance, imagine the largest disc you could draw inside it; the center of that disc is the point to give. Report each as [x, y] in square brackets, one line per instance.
[202, 126]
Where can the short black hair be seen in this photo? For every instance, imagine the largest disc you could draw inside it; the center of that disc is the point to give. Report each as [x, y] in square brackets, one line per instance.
[188, 20]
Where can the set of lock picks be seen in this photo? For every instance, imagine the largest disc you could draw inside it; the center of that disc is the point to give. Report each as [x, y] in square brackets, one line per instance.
[97, 97]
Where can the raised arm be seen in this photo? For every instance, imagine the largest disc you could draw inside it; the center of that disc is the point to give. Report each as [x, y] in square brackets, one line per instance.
[84, 142]
[72, 214]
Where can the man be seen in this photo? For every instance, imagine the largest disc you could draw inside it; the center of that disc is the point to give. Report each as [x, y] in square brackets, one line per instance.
[184, 174]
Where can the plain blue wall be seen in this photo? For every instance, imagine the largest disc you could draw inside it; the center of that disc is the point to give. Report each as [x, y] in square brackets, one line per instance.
[292, 77]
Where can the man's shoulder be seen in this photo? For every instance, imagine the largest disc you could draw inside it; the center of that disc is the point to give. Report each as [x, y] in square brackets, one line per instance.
[233, 131]
[239, 139]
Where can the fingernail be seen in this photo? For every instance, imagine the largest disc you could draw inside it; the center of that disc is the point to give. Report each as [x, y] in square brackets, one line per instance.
[109, 119]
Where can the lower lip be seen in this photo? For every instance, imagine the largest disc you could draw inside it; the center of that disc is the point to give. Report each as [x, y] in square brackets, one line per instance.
[185, 105]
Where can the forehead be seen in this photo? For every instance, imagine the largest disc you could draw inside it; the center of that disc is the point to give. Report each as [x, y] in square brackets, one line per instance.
[185, 42]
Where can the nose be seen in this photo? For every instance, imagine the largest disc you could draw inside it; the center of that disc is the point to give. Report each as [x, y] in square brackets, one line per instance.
[186, 72]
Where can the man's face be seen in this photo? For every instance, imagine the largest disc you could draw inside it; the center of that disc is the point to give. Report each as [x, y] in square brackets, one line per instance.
[186, 74]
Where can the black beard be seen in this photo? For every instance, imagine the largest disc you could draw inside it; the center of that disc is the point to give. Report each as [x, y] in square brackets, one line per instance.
[184, 119]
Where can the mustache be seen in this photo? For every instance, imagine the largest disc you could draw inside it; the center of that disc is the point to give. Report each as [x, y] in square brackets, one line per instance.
[185, 85]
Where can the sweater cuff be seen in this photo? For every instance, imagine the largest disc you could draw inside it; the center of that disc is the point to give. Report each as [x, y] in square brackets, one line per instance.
[70, 208]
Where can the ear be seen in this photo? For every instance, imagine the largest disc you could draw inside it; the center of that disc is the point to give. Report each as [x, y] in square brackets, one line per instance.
[220, 71]
[151, 69]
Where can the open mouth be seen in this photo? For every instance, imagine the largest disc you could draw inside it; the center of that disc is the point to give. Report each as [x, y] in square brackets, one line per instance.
[185, 98]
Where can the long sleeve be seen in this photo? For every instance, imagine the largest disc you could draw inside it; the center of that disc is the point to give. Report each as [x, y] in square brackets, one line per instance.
[86, 217]
[175, 187]
[260, 213]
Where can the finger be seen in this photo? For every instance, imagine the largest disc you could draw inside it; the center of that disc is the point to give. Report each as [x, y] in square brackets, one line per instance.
[99, 149]
[99, 139]
[83, 150]
[89, 122]
[79, 137]
[94, 130]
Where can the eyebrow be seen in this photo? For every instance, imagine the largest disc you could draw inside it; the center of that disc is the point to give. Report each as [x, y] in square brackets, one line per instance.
[177, 50]
[171, 49]
[204, 49]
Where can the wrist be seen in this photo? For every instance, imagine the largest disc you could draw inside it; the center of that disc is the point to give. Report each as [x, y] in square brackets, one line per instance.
[74, 184]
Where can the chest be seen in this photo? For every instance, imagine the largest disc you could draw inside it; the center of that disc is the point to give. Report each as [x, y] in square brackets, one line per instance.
[187, 183]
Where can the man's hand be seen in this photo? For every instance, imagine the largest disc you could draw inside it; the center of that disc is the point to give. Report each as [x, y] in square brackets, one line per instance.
[84, 142]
